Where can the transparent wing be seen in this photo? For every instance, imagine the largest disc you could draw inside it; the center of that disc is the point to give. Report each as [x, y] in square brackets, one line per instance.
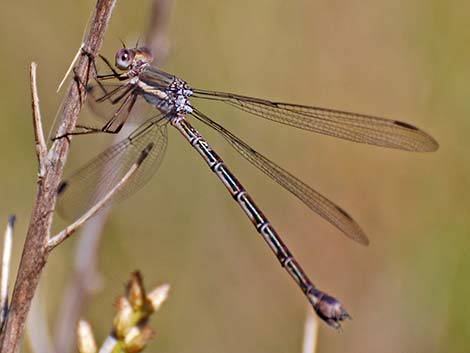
[315, 201]
[348, 126]
[95, 179]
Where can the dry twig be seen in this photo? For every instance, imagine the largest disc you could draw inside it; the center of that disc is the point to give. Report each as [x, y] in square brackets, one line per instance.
[37, 326]
[157, 32]
[310, 342]
[35, 250]
[41, 147]
[84, 281]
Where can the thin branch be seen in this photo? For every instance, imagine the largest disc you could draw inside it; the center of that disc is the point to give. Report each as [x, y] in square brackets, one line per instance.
[41, 147]
[69, 230]
[310, 341]
[84, 282]
[38, 328]
[5, 275]
[157, 31]
[35, 250]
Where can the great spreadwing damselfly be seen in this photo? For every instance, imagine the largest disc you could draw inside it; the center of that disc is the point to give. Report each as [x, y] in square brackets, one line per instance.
[135, 80]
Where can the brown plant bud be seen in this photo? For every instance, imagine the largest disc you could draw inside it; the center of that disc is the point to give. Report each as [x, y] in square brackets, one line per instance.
[158, 295]
[124, 319]
[135, 292]
[137, 338]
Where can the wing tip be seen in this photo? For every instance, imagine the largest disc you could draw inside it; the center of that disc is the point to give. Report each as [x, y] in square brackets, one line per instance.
[428, 143]
[362, 239]
[433, 145]
[353, 231]
[357, 235]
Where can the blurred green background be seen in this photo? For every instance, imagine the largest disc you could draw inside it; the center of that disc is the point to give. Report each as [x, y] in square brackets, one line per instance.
[408, 60]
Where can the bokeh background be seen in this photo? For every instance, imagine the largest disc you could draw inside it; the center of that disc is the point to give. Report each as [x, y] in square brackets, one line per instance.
[408, 291]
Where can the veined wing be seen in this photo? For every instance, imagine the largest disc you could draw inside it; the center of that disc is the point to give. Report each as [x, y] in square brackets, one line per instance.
[315, 201]
[348, 126]
[94, 180]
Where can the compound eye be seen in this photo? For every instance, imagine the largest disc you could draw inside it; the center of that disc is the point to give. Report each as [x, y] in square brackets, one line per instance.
[124, 59]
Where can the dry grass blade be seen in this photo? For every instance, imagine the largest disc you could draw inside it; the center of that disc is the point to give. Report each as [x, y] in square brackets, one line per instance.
[41, 147]
[5, 275]
[310, 342]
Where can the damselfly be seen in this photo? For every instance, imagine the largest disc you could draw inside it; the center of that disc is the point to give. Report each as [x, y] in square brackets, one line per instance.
[135, 79]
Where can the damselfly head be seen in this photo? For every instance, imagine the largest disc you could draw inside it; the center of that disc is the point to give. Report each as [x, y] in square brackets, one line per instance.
[126, 58]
